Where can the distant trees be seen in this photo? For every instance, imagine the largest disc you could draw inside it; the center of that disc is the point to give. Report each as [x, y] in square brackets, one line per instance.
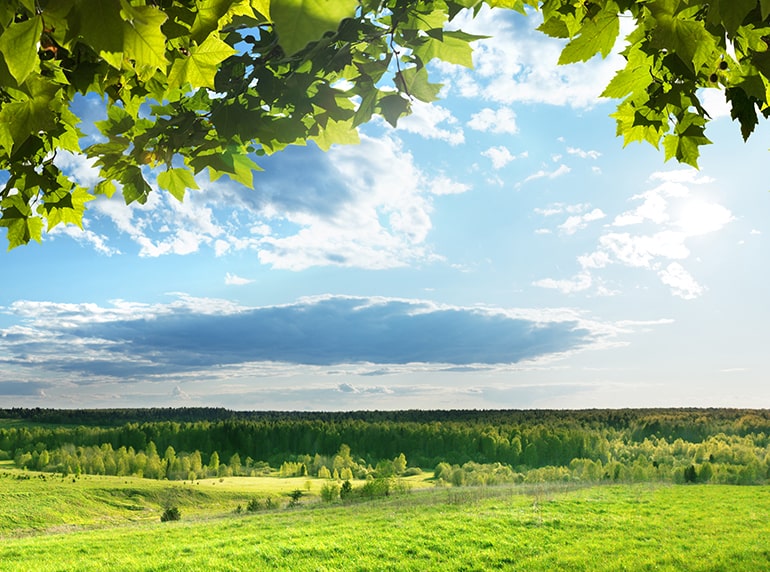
[723, 446]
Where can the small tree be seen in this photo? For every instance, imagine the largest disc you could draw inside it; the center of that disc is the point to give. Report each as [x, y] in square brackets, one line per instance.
[295, 496]
[324, 473]
[170, 513]
[330, 491]
[399, 464]
[346, 489]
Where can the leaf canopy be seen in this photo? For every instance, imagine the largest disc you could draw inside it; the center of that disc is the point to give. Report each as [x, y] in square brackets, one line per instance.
[209, 85]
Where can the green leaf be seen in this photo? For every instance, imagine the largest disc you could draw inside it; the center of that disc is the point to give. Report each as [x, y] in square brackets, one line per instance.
[144, 42]
[339, 132]
[733, 13]
[261, 6]
[634, 125]
[105, 187]
[18, 219]
[22, 230]
[597, 35]
[393, 107]
[199, 67]
[454, 47]
[102, 28]
[135, 187]
[518, 5]
[232, 162]
[684, 144]
[207, 17]
[414, 82]
[118, 122]
[299, 22]
[742, 108]
[176, 182]
[69, 209]
[32, 115]
[634, 78]
[18, 44]
[765, 7]
[689, 39]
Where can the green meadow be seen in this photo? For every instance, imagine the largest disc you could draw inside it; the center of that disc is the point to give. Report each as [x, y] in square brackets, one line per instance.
[113, 523]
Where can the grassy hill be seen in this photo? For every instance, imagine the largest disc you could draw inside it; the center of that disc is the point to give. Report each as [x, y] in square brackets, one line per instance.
[112, 523]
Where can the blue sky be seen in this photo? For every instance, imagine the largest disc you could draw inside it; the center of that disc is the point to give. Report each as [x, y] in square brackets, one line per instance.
[499, 249]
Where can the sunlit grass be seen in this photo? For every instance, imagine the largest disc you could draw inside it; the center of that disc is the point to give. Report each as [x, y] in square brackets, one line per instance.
[108, 523]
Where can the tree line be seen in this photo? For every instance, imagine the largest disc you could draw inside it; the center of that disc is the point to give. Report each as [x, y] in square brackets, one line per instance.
[721, 445]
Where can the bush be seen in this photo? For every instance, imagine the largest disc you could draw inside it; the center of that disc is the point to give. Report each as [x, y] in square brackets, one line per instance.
[330, 492]
[412, 471]
[346, 490]
[294, 497]
[170, 513]
[254, 505]
[376, 488]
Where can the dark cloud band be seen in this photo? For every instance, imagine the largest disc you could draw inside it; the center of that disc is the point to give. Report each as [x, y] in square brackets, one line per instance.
[319, 332]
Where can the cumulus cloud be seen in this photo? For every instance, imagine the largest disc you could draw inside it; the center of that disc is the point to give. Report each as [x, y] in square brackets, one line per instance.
[366, 206]
[129, 341]
[234, 280]
[500, 156]
[580, 215]
[517, 64]
[501, 120]
[652, 235]
[583, 154]
[426, 120]
[681, 282]
[578, 222]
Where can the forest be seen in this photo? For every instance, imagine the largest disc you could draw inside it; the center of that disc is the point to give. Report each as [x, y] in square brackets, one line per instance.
[460, 447]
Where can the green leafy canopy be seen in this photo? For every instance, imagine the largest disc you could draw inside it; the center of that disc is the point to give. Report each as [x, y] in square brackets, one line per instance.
[220, 82]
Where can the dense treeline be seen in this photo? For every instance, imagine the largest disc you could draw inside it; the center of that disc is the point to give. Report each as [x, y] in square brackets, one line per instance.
[722, 445]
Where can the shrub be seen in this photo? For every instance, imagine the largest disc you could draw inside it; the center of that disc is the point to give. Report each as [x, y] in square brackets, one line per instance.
[295, 495]
[376, 488]
[412, 471]
[170, 513]
[330, 491]
[345, 490]
[254, 505]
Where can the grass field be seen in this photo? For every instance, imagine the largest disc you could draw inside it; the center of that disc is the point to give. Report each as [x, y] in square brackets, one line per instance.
[109, 523]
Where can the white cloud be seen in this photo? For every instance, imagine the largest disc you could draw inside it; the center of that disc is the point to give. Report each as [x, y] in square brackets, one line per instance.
[583, 154]
[561, 170]
[681, 282]
[578, 222]
[659, 229]
[502, 120]
[382, 223]
[700, 217]
[366, 206]
[500, 156]
[578, 283]
[179, 393]
[443, 185]
[234, 280]
[79, 167]
[519, 64]
[98, 242]
[715, 103]
[425, 120]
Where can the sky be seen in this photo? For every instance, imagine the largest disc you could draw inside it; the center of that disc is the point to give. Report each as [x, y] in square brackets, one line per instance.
[499, 249]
